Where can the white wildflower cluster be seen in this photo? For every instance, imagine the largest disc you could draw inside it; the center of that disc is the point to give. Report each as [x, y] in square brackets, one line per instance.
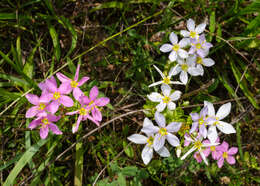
[190, 54]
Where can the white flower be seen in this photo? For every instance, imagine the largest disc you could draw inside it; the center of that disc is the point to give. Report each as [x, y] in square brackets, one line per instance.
[224, 127]
[198, 146]
[163, 132]
[200, 62]
[193, 32]
[184, 68]
[175, 48]
[165, 79]
[166, 99]
[147, 152]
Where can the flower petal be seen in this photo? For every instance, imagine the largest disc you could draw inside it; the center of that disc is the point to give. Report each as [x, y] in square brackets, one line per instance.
[147, 154]
[53, 107]
[33, 99]
[77, 93]
[182, 53]
[44, 132]
[200, 28]
[171, 105]
[34, 123]
[174, 70]
[184, 42]
[212, 134]
[174, 127]
[184, 77]
[46, 97]
[161, 106]
[187, 153]
[203, 157]
[191, 25]
[203, 131]
[156, 83]
[150, 129]
[159, 71]
[173, 38]
[194, 116]
[51, 85]
[166, 48]
[226, 128]
[163, 152]
[202, 53]
[63, 78]
[83, 80]
[175, 95]
[223, 147]
[66, 101]
[96, 114]
[76, 77]
[173, 140]
[160, 119]
[232, 151]
[55, 129]
[185, 33]
[194, 127]
[72, 113]
[211, 110]
[31, 112]
[166, 89]
[102, 101]
[75, 127]
[208, 62]
[138, 139]
[158, 142]
[155, 97]
[173, 56]
[204, 111]
[231, 160]
[223, 111]
[53, 118]
[194, 71]
[93, 93]
[147, 122]
[220, 162]
[65, 88]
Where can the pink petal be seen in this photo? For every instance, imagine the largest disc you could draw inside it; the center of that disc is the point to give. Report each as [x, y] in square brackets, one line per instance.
[231, 160]
[53, 80]
[31, 112]
[225, 146]
[197, 156]
[93, 93]
[206, 152]
[84, 100]
[216, 155]
[54, 129]
[83, 80]
[33, 99]
[44, 132]
[220, 162]
[77, 93]
[65, 88]
[63, 78]
[51, 86]
[96, 114]
[66, 101]
[102, 101]
[76, 127]
[232, 151]
[76, 77]
[46, 98]
[53, 118]
[92, 119]
[72, 113]
[34, 123]
[53, 107]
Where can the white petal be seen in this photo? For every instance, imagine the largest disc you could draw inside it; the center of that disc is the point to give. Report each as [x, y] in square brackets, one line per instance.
[159, 71]
[194, 71]
[180, 61]
[147, 122]
[223, 111]
[200, 28]
[163, 152]
[173, 38]
[185, 33]
[173, 56]
[203, 157]
[187, 153]
[176, 83]
[138, 139]
[210, 144]
[182, 53]
[226, 128]
[208, 62]
[147, 154]
[212, 134]
[155, 83]
[178, 151]
[155, 97]
[171, 106]
[173, 140]
[184, 77]
[184, 42]
[158, 142]
[160, 119]
[161, 106]
[211, 110]
[191, 60]
[200, 68]
[150, 129]
[175, 95]
[166, 48]
[174, 70]
[174, 126]
[166, 89]
[191, 25]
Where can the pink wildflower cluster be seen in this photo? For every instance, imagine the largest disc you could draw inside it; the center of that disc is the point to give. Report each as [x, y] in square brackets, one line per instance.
[54, 96]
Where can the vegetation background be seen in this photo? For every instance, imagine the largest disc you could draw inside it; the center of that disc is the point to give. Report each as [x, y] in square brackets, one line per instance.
[117, 42]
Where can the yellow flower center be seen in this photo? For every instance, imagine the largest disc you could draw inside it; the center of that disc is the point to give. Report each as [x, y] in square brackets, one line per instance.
[198, 145]
[198, 46]
[56, 95]
[201, 121]
[184, 67]
[45, 121]
[166, 80]
[73, 84]
[225, 155]
[41, 106]
[150, 141]
[83, 111]
[176, 47]
[216, 122]
[212, 148]
[163, 131]
[199, 60]
[166, 99]
[193, 34]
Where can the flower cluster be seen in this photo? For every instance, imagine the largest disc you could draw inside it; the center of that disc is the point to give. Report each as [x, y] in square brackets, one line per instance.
[202, 137]
[54, 97]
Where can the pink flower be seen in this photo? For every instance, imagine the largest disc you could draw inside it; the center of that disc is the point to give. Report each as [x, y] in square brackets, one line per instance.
[57, 95]
[226, 154]
[46, 124]
[83, 113]
[43, 86]
[198, 157]
[39, 108]
[212, 149]
[93, 102]
[73, 84]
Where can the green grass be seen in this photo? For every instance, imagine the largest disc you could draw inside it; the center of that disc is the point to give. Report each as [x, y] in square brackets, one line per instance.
[117, 43]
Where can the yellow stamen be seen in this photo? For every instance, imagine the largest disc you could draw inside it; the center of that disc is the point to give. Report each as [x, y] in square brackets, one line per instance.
[199, 60]
[56, 95]
[225, 155]
[176, 47]
[198, 145]
[184, 67]
[212, 148]
[166, 80]
[41, 106]
[163, 131]
[150, 141]
[73, 84]
[198, 46]
[83, 111]
[166, 99]
[45, 121]
[193, 34]
[201, 121]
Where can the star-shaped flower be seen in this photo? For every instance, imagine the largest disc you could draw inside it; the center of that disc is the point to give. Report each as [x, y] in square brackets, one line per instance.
[226, 154]
[200, 46]
[193, 32]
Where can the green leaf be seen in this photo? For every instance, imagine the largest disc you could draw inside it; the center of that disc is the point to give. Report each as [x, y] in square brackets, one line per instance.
[27, 156]
[129, 150]
[121, 180]
[55, 41]
[212, 24]
[10, 162]
[78, 175]
[7, 16]
[130, 171]
[112, 4]
[219, 33]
